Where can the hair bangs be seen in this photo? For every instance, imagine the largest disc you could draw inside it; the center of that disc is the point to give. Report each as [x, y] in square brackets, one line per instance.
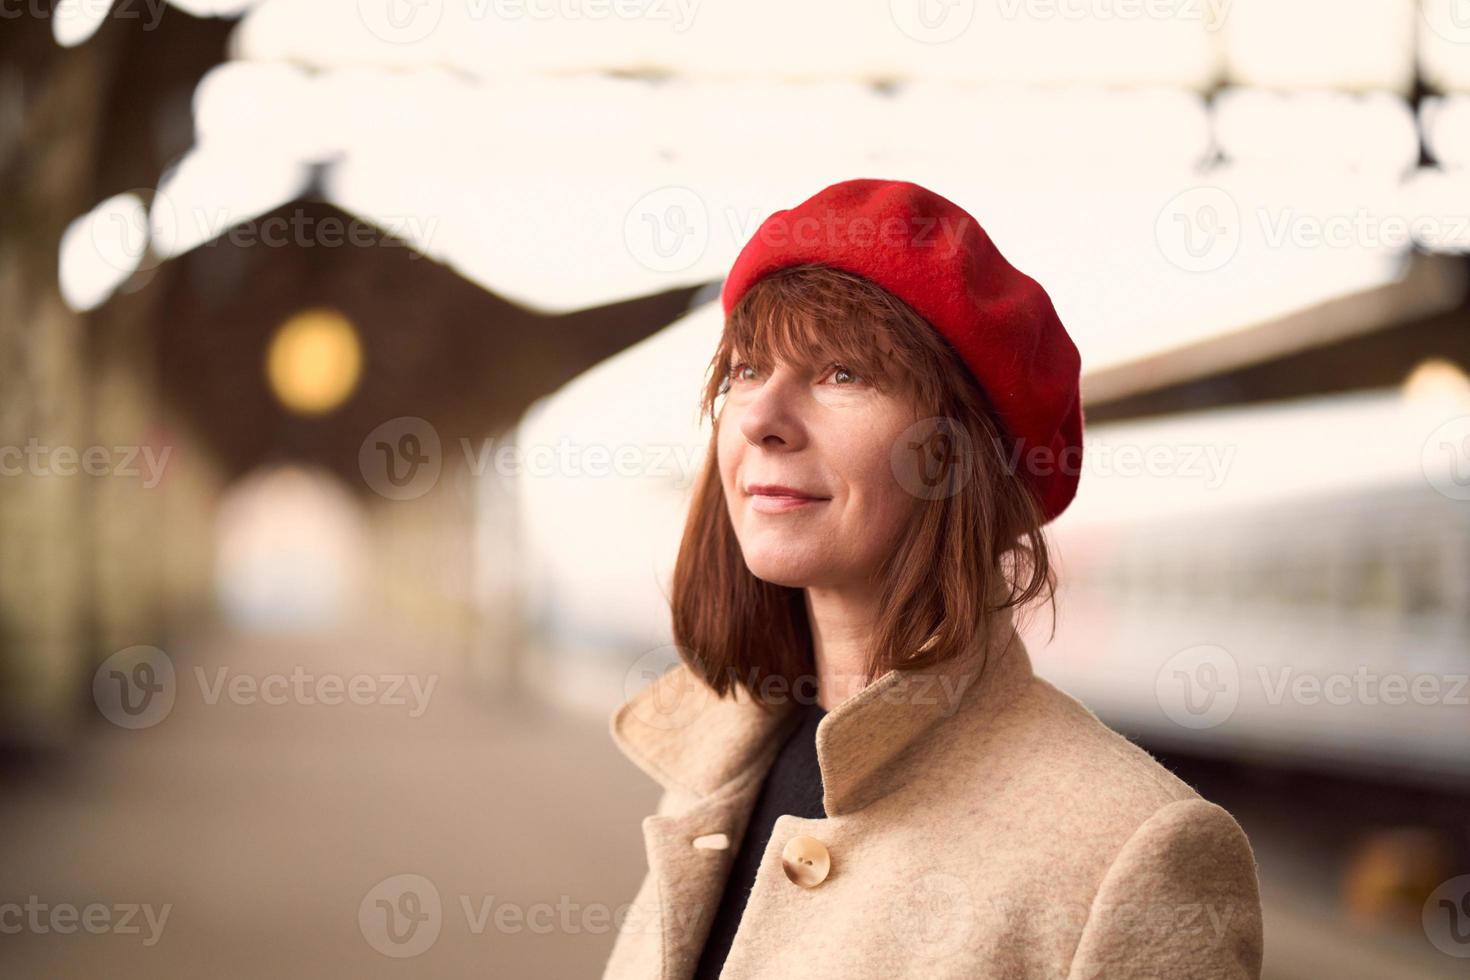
[816, 317]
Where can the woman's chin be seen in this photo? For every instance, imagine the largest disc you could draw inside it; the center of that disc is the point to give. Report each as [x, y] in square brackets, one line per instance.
[783, 570]
[795, 570]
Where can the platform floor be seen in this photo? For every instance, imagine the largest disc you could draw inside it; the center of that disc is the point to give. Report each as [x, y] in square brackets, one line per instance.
[263, 828]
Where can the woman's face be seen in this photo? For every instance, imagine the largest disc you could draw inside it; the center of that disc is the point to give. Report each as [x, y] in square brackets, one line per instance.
[826, 434]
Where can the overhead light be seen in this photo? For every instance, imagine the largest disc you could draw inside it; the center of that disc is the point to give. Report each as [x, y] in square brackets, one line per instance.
[73, 21]
[101, 249]
[1437, 380]
[314, 361]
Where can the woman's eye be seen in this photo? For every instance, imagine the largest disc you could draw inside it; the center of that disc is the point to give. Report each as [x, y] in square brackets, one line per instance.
[839, 373]
[737, 372]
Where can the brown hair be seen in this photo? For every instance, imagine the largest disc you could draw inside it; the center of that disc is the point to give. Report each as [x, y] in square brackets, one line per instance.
[734, 629]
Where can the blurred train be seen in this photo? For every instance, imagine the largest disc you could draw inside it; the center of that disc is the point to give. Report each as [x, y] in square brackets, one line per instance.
[1289, 581]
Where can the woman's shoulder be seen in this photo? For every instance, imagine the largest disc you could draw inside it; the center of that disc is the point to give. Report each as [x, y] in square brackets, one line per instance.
[1044, 802]
[1094, 747]
[1048, 753]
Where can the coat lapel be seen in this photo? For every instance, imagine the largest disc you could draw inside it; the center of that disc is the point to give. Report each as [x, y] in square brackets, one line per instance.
[711, 754]
[711, 751]
[691, 741]
[863, 743]
[691, 878]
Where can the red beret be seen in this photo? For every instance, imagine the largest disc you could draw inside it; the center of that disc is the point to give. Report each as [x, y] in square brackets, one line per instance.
[930, 253]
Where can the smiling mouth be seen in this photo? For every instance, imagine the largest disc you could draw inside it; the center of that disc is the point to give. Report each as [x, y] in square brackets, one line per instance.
[766, 499]
[763, 503]
[778, 492]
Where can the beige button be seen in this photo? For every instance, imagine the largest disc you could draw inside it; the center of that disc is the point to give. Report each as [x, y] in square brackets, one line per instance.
[806, 861]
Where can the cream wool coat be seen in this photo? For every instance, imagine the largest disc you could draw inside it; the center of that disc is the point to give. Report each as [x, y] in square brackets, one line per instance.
[980, 823]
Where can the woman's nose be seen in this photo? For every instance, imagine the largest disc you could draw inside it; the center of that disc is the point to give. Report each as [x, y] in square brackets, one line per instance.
[773, 416]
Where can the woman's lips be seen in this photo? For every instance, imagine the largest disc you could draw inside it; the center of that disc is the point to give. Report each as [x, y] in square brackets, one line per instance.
[772, 499]
[775, 504]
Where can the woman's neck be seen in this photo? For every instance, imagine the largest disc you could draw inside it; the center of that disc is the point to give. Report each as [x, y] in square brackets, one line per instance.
[842, 627]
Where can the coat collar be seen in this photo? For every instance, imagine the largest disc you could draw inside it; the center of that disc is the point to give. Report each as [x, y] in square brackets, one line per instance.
[690, 740]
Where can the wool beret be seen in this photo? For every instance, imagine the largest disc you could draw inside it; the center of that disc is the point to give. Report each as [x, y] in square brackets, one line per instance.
[933, 255]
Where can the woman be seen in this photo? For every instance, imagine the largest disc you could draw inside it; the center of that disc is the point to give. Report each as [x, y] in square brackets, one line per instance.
[862, 776]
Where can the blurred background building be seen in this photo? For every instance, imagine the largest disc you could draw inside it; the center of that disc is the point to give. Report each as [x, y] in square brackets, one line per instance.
[349, 360]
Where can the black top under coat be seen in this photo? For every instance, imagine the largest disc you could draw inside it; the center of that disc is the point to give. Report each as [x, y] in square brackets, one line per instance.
[793, 785]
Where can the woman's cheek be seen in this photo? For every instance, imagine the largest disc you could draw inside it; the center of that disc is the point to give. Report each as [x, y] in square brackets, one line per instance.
[727, 456]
